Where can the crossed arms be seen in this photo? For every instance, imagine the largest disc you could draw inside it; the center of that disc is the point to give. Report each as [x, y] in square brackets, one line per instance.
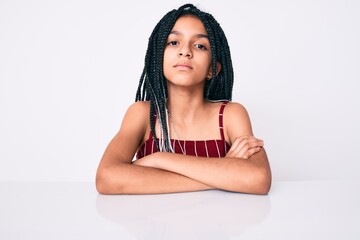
[244, 169]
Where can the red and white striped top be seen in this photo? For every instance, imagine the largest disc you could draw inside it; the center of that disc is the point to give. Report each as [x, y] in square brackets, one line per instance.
[200, 148]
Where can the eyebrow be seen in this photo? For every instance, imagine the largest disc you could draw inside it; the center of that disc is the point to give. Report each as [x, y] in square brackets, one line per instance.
[198, 35]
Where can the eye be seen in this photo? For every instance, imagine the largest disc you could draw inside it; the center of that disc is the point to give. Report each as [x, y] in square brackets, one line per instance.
[200, 46]
[173, 43]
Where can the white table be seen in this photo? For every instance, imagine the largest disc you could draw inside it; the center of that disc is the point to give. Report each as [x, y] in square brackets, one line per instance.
[292, 210]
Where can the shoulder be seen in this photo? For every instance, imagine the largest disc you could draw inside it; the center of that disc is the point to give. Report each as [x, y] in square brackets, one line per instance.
[236, 121]
[137, 114]
[235, 109]
[139, 109]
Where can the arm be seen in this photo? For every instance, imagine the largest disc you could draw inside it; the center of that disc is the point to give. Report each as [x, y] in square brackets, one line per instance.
[117, 175]
[234, 172]
[231, 174]
[132, 179]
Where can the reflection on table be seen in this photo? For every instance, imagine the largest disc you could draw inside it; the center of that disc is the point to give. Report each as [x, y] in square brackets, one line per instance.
[198, 215]
[74, 210]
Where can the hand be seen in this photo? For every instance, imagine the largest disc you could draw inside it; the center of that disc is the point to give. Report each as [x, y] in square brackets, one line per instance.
[245, 147]
[147, 161]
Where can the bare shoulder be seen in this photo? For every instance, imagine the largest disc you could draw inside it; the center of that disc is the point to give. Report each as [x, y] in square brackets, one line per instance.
[235, 108]
[137, 112]
[236, 112]
[133, 127]
[136, 120]
[236, 121]
[139, 108]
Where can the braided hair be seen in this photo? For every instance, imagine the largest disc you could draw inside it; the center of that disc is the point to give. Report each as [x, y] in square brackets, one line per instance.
[153, 84]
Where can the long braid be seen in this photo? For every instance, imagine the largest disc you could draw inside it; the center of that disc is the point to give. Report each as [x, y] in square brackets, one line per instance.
[153, 85]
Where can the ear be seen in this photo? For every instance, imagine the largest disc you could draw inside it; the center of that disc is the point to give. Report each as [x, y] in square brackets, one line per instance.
[218, 68]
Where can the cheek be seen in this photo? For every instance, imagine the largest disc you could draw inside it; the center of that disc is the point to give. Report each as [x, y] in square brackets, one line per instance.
[208, 66]
[168, 60]
[166, 65]
[169, 52]
[207, 59]
[167, 57]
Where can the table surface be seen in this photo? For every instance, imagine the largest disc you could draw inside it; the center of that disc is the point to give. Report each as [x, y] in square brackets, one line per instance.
[67, 210]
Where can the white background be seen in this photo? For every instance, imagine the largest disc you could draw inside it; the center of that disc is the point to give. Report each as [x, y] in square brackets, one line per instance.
[69, 70]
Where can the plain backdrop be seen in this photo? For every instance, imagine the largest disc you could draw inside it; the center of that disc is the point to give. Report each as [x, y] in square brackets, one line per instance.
[69, 70]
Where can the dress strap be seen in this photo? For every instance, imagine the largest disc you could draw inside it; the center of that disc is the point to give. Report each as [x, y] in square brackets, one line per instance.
[221, 124]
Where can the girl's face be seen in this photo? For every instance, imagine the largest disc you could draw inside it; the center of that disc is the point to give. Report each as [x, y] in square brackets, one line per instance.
[187, 55]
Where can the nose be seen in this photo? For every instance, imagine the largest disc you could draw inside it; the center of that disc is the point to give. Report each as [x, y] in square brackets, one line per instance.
[185, 52]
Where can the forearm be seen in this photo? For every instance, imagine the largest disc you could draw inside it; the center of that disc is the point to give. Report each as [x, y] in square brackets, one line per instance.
[128, 178]
[231, 174]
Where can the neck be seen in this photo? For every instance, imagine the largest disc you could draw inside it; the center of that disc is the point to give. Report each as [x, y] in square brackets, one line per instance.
[185, 107]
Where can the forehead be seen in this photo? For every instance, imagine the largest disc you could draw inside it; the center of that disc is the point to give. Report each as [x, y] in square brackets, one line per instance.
[189, 23]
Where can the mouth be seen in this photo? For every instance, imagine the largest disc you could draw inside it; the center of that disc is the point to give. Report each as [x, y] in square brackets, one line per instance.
[183, 66]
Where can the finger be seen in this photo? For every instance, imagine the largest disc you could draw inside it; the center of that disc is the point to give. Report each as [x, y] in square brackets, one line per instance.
[246, 139]
[241, 150]
[234, 147]
[251, 152]
[248, 144]
[237, 141]
[240, 141]
[243, 144]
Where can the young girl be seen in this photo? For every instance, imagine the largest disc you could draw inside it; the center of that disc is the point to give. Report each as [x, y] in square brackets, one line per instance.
[185, 132]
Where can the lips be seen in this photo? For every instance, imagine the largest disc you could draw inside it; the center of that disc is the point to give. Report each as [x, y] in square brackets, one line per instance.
[183, 66]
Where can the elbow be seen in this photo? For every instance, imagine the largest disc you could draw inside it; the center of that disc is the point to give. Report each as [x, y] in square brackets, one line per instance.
[100, 183]
[104, 185]
[261, 182]
[101, 188]
[257, 182]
